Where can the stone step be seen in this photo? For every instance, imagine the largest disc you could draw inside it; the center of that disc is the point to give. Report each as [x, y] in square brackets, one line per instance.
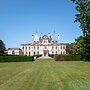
[44, 57]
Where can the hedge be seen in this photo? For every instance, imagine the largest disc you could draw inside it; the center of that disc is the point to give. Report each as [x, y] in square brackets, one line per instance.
[16, 58]
[85, 57]
[67, 57]
[51, 55]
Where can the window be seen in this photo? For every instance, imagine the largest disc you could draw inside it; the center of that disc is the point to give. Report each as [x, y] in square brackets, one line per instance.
[34, 47]
[61, 52]
[56, 47]
[29, 53]
[52, 47]
[61, 47]
[29, 48]
[38, 53]
[34, 53]
[13, 53]
[26, 48]
[56, 52]
[44, 41]
[26, 53]
[23, 48]
[37, 47]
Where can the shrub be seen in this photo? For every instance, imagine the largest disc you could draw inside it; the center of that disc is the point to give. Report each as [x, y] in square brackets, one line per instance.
[51, 55]
[16, 58]
[85, 57]
[58, 57]
[69, 57]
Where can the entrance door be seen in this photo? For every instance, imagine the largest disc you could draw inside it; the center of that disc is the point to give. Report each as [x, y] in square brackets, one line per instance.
[45, 52]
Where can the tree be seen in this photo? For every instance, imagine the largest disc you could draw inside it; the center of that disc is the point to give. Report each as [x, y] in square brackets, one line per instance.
[70, 49]
[2, 47]
[80, 45]
[83, 7]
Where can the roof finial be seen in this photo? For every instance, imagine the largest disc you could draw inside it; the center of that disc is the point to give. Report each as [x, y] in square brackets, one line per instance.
[54, 31]
[36, 32]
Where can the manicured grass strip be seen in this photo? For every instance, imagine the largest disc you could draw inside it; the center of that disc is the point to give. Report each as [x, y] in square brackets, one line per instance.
[45, 75]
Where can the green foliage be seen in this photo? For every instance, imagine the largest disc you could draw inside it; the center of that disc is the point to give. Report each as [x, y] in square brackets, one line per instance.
[83, 44]
[83, 7]
[87, 44]
[58, 58]
[70, 48]
[2, 47]
[68, 57]
[51, 55]
[79, 45]
[16, 58]
[85, 57]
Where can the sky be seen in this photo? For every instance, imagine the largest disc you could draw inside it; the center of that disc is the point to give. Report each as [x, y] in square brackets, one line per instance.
[20, 19]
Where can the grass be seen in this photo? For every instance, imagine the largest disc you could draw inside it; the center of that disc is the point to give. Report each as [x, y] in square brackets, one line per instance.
[45, 75]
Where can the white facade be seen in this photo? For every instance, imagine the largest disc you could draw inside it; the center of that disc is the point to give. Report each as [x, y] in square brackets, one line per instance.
[40, 45]
[44, 45]
[14, 51]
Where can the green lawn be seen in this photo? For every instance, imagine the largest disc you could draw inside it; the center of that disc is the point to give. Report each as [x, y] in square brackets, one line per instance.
[45, 75]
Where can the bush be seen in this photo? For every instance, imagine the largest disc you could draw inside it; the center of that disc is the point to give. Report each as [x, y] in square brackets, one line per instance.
[16, 58]
[51, 55]
[68, 57]
[58, 58]
[85, 57]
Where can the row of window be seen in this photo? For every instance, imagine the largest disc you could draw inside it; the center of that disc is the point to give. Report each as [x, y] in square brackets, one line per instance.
[38, 53]
[45, 41]
[44, 47]
[57, 53]
[30, 53]
[29, 48]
